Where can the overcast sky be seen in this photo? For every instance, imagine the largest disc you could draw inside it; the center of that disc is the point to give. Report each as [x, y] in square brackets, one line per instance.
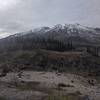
[22, 15]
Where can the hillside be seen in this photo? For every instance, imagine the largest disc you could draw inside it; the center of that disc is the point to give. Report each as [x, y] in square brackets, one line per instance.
[58, 63]
[64, 48]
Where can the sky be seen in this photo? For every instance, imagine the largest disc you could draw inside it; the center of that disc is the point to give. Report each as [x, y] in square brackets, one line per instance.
[23, 15]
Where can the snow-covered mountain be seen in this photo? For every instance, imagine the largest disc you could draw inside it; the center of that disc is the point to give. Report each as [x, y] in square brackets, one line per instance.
[67, 29]
[70, 30]
[76, 33]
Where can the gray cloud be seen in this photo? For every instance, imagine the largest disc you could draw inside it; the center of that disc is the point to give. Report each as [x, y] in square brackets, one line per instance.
[21, 15]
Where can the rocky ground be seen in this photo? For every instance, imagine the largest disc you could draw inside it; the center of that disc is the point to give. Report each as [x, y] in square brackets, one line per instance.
[33, 85]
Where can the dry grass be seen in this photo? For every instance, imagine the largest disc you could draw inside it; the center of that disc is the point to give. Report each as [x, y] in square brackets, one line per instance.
[64, 55]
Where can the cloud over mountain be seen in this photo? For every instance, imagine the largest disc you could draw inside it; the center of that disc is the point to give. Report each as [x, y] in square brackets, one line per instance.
[21, 15]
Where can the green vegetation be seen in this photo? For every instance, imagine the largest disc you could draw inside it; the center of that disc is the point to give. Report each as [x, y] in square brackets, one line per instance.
[40, 59]
[63, 97]
[26, 85]
[3, 98]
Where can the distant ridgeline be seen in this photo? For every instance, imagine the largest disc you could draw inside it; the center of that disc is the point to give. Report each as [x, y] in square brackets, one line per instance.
[59, 38]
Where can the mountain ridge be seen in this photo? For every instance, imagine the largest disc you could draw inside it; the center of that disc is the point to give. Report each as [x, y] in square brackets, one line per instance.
[69, 33]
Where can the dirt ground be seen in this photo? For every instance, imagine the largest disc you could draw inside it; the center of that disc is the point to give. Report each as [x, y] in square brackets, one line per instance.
[33, 85]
